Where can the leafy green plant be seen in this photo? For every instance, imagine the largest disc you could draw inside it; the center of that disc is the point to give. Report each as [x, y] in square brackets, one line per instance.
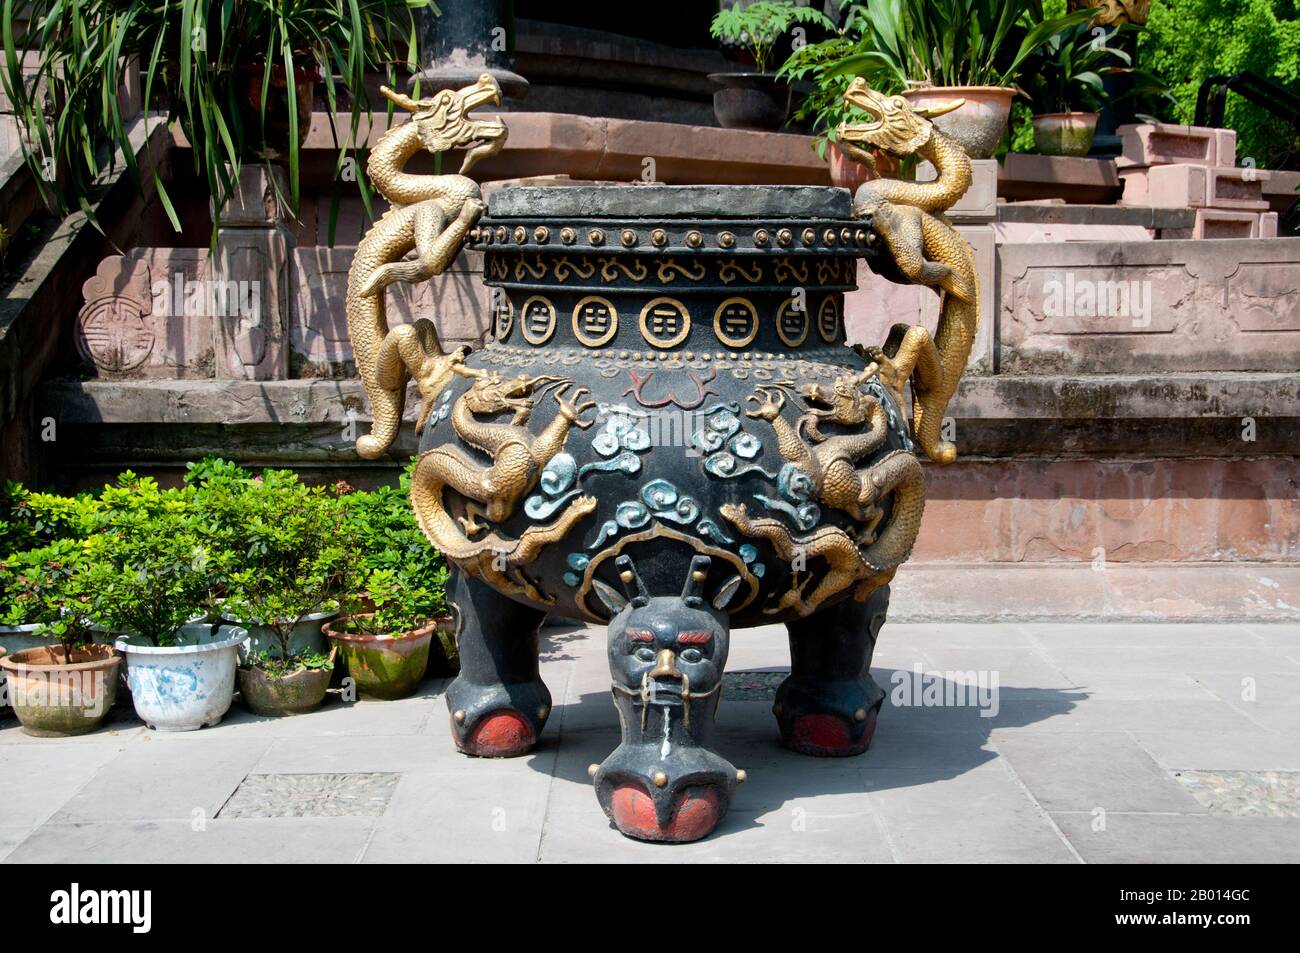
[398, 571]
[393, 604]
[149, 568]
[211, 65]
[760, 25]
[281, 667]
[824, 108]
[54, 587]
[29, 519]
[1066, 73]
[290, 555]
[947, 42]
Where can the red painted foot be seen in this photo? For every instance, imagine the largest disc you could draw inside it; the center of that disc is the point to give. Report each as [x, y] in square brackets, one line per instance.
[829, 736]
[502, 734]
[695, 815]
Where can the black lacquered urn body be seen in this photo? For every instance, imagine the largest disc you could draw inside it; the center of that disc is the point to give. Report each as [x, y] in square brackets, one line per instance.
[675, 357]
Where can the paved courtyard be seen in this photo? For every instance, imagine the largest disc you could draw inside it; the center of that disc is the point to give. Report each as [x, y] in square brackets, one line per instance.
[1106, 743]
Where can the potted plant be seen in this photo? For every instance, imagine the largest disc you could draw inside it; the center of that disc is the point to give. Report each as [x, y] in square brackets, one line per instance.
[757, 99]
[220, 70]
[1064, 82]
[383, 532]
[30, 521]
[935, 52]
[825, 108]
[66, 686]
[384, 638]
[150, 579]
[293, 564]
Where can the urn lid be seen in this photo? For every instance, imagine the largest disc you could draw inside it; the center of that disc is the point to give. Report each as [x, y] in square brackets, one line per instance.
[671, 201]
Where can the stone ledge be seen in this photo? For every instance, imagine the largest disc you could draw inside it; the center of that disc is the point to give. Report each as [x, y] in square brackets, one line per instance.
[1056, 213]
[1169, 396]
[1078, 181]
[1044, 592]
[546, 143]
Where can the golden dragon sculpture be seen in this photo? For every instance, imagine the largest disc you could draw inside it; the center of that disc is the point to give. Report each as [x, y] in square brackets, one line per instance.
[430, 216]
[830, 463]
[492, 491]
[908, 217]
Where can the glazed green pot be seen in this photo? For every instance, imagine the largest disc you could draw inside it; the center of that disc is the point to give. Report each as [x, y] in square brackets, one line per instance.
[295, 694]
[1064, 134]
[383, 666]
[54, 695]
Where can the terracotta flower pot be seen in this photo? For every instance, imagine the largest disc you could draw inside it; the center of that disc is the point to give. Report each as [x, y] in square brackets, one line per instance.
[297, 693]
[847, 173]
[1064, 134]
[383, 666]
[979, 124]
[268, 137]
[750, 100]
[55, 694]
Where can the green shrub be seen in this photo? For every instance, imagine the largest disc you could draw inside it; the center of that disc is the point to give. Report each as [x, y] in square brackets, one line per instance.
[149, 568]
[760, 25]
[268, 549]
[388, 542]
[30, 519]
[55, 587]
[289, 554]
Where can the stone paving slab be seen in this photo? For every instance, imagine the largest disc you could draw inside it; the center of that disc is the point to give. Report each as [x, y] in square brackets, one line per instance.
[1141, 729]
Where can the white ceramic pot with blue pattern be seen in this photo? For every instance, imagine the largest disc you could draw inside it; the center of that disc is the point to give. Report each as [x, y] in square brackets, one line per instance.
[186, 686]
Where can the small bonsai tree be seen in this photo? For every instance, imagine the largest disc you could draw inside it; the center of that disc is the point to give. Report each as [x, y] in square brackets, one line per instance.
[759, 26]
[291, 558]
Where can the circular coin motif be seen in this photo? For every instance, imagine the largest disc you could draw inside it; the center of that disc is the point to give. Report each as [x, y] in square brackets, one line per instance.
[665, 322]
[504, 309]
[595, 321]
[113, 335]
[828, 320]
[537, 320]
[736, 322]
[791, 324]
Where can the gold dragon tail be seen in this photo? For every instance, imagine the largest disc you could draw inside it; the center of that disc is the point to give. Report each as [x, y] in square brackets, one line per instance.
[900, 473]
[953, 338]
[385, 382]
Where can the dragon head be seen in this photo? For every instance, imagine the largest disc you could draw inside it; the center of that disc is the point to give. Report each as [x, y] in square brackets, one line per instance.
[894, 125]
[491, 394]
[444, 121]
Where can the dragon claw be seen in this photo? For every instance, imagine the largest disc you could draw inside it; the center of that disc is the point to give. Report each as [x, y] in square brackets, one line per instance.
[573, 406]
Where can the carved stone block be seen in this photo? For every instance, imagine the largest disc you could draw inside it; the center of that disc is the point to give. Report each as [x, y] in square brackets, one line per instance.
[145, 316]
[250, 311]
[1150, 144]
[1163, 306]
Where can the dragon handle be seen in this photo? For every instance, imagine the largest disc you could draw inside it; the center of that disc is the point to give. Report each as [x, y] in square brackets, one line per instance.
[431, 216]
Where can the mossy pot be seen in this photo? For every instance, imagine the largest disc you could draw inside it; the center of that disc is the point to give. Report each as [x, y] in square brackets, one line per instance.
[1064, 134]
[382, 666]
[56, 694]
[297, 693]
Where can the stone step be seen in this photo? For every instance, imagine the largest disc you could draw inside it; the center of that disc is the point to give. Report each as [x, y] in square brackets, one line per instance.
[1186, 185]
[1149, 144]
